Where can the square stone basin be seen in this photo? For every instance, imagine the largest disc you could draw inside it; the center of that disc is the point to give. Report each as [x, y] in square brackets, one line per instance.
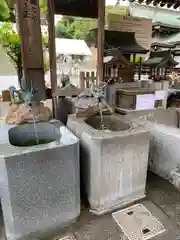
[29, 134]
[113, 161]
[110, 123]
[39, 185]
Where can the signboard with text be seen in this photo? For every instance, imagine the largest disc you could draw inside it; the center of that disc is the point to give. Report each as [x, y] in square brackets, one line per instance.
[145, 101]
[141, 26]
[29, 27]
[30, 31]
[160, 95]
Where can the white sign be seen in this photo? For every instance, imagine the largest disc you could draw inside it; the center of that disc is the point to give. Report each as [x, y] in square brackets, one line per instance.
[145, 101]
[142, 27]
[160, 95]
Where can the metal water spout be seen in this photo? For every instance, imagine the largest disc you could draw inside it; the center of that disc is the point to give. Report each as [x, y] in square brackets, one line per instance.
[25, 95]
[104, 103]
[28, 93]
[98, 93]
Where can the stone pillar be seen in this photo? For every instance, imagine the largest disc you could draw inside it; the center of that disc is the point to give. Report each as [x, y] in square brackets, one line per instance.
[165, 87]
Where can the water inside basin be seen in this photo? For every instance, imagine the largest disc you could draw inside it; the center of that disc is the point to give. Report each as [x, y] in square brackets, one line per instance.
[25, 135]
[110, 123]
[33, 142]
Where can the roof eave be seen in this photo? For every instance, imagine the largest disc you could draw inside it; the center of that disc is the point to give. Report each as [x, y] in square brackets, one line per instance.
[165, 25]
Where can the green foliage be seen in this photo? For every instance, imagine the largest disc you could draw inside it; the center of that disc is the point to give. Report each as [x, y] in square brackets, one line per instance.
[43, 5]
[7, 5]
[4, 11]
[137, 60]
[10, 41]
[74, 27]
[79, 28]
[62, 31]
[45, 40]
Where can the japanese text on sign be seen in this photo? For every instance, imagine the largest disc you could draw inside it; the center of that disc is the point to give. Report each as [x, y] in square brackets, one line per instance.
[145, 101]
[160, 95]
[30, 10]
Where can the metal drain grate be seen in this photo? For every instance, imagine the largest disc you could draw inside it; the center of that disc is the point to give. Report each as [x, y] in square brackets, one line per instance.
[67, 238]
[138, 223]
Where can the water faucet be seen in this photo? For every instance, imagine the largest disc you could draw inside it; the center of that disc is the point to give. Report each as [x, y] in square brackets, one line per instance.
[27, 91]
[28, 97]
[25, 95]
[98, 93]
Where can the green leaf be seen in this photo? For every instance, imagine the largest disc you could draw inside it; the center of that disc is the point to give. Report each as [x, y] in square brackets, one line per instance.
[43, 5]
[79, 28]
[4, 11]
[10, 41]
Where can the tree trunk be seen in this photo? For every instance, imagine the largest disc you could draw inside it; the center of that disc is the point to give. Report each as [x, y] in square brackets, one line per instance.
[19, 70]
[19, 67]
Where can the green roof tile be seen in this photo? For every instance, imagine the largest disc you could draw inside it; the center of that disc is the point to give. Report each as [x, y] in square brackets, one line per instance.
[168, 18]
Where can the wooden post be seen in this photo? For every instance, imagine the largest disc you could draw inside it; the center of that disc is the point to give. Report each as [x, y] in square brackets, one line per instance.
[100, 40]
[140, 68]
[134, 59]
[28, 16]
[82, 80]
[52, 55]
[87, 79]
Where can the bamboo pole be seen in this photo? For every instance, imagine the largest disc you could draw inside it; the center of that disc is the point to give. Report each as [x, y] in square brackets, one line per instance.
[100, 41]
[52, 54]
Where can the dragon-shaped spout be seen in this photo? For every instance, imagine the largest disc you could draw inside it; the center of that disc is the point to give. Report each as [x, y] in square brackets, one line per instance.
[94, 91]
[25, 95]
[98, 93]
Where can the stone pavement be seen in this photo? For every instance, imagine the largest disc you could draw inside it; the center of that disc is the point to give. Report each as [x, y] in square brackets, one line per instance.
[162, 200]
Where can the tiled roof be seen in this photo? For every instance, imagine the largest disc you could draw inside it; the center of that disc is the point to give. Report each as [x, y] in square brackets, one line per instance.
[160, 58]
[163, 17]
[89, 8]
[172, 39]
[124, 42]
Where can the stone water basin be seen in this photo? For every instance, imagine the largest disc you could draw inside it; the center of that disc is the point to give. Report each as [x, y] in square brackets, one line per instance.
[39, 184]
[110, 123]
[113, 161]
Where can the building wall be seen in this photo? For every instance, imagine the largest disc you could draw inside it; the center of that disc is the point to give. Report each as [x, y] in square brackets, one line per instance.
[177, 59]
[94, 54]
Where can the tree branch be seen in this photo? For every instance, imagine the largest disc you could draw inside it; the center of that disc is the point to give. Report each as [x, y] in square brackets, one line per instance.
[11, 56]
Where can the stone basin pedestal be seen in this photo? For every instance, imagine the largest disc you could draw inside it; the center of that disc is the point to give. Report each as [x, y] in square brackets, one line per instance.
[113, 161]
[39, 185]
